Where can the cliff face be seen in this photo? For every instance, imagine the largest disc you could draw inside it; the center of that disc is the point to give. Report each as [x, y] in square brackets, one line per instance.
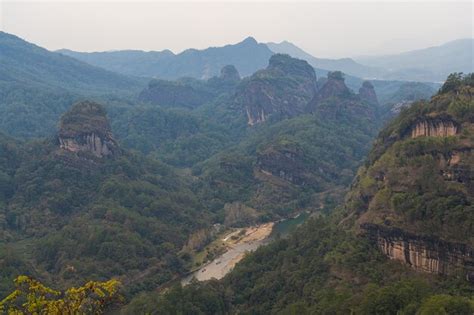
[188, 92]
[85, 128]
[288, 87]
[174, 94]
[335, 99]
[333, 87]
[367, 94]
[282, 89]
[230, 74]
[426, 254]
[415, 196]
[285, 163]
[434, 128]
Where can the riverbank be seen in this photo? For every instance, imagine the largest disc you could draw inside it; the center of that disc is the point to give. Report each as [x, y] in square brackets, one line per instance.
[237, 243]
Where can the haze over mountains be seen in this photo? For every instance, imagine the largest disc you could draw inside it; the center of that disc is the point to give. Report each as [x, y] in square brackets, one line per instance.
[139, 166]
[28, 64]
[38, 85]
[430, 64]
[247, 56]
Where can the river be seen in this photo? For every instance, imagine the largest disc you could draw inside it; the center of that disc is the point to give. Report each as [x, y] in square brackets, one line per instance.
[224, 263]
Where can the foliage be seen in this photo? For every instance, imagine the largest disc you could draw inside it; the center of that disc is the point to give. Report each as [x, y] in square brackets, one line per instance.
[319, 269]
[98, 219]
[446, 304]
[32, 297]
[336, 75]
[324, 267]
[423, 190]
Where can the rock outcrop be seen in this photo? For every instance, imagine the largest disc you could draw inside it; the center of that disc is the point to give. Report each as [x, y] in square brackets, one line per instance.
[334, 99]
[423, 253]
[367, 94]
[286, 163]
[432, 127]
[175, 94]
[281, 90]
[188, 92]
[334, 87]
[229, 73]
[415, 196]
[85, 128]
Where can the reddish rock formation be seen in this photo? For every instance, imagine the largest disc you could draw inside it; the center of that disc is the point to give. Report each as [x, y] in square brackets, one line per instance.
[283, 90]
[423, 253]
[85, 128]
[434, 128]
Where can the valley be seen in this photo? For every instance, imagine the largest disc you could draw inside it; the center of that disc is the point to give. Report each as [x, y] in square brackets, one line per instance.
[232, 247]
[242, 178]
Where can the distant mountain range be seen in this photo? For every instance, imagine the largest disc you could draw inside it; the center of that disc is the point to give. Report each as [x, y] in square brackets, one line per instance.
[247, 56]
[429, 65]
[346, 65]
[37, 86]
[23, 63]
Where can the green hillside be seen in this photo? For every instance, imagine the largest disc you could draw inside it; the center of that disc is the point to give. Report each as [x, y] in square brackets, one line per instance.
[332, 266]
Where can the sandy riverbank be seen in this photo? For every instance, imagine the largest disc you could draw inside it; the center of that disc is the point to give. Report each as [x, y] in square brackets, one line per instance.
[237, 243]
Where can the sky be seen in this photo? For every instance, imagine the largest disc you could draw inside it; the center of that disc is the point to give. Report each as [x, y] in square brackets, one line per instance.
[330, 29]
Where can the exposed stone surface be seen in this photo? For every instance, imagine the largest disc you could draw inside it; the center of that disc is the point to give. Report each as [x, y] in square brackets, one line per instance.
[397, 107]
[434, 128]
[367, 94]
[335, 99]
[414, 199]
[229, 73]
[288, 87]
[282, 89]
[423, 253]
[188, 92]
[286, 163]
[174, 94]
[85, 128]
[334, 87]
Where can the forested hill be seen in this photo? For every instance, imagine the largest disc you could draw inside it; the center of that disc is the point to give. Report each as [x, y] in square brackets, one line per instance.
[398, 245]
[79, 207]
[37, 86]
[247, 56]
[417, 187]
[25, 64]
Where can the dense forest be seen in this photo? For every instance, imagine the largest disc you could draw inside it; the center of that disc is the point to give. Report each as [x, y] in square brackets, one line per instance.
[328, 266]
[109, 176]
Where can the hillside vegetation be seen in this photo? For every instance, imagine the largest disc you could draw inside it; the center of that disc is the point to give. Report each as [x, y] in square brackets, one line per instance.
[328, 267]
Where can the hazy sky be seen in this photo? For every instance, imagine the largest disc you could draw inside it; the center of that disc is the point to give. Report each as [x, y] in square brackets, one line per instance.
[323, 28]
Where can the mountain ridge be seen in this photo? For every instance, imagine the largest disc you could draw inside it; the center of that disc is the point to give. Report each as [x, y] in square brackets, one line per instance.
[247, 56]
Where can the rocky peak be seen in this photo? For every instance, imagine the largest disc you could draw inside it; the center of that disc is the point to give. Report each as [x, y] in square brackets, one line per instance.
[249, 41]
[367, 94]
[334, 86]
[229, 73]
[281, 90]
[291, 66]
[335, 99]
[85, 128]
